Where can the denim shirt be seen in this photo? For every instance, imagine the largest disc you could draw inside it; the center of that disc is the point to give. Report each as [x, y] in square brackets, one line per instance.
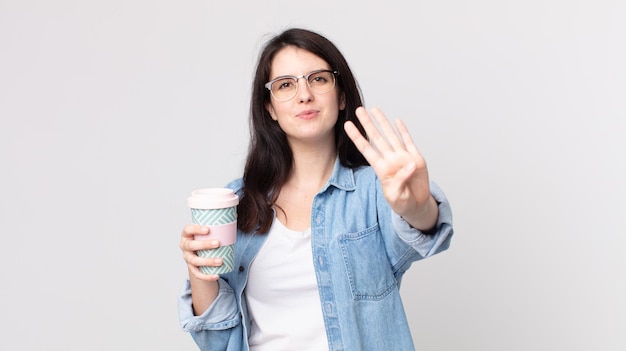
[361, 250]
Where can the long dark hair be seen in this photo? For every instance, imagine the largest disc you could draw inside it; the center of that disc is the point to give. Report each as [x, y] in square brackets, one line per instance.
[269, 156]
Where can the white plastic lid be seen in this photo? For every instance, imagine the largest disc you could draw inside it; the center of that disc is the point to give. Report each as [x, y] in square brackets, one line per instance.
[212, 198]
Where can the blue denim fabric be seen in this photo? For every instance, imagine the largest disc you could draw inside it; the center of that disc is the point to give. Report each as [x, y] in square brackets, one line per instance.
[361, 249]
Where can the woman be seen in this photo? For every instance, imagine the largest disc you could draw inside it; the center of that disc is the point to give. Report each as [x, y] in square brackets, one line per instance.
[328, 222]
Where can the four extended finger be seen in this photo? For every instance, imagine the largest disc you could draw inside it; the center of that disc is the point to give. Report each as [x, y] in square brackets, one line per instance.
[389, 133]
[377, 140]
[362, 144]
[406, 138]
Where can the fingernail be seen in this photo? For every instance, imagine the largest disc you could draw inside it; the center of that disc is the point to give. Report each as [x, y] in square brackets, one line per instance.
[410, 167]
[215, 242]
[218, 261]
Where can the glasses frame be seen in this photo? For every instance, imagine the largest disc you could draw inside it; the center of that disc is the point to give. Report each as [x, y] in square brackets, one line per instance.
[268, 85]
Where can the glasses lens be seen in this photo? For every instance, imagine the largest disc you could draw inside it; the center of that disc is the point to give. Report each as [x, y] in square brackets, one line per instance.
[284, 89]
[321, 82]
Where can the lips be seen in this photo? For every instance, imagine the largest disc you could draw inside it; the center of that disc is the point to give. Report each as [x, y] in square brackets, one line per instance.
[309, 114]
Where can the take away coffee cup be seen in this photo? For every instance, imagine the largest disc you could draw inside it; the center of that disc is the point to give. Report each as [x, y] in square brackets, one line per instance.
[216, 208]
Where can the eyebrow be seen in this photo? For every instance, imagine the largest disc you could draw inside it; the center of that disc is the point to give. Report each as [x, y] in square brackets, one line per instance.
[294, 76]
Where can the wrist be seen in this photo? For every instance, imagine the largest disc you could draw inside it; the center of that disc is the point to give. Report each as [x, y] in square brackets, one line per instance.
[425, 219]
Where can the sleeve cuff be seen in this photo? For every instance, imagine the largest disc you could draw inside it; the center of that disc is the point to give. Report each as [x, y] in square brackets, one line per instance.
[436, 239]
[222, 314]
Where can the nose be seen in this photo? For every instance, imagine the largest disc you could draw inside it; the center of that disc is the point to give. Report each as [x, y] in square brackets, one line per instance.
[304, 92]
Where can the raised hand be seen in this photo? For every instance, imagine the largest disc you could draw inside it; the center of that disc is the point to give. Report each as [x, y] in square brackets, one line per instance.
[399, 166]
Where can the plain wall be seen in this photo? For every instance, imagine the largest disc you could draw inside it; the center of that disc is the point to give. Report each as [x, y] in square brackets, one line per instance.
[111, 112]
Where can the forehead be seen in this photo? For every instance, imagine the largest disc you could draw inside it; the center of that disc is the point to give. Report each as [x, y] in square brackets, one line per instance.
[295, 62]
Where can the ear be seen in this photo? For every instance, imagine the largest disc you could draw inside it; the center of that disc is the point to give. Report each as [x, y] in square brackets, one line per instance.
[270, 109]
[342, 102]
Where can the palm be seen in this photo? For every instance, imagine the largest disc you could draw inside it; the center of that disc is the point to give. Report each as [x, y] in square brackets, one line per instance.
[395, 159]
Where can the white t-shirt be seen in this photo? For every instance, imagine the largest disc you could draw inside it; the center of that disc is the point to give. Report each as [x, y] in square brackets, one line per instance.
[283, 299]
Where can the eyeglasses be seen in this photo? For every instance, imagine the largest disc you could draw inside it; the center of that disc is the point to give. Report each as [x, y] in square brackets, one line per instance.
[285, 88]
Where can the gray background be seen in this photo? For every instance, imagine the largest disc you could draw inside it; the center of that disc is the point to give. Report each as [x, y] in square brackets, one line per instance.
[113, 111]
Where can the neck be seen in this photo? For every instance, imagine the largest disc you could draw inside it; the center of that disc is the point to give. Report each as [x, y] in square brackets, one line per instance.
[312, 167]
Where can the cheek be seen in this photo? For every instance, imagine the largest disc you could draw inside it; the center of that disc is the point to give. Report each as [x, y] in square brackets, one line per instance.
[271, 111]
[281, 113]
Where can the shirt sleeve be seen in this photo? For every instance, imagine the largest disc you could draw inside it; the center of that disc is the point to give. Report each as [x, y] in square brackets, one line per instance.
[437, 239]
[222, 314]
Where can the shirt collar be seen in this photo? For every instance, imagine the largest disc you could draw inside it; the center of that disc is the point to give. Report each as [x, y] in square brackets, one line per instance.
[342, 177]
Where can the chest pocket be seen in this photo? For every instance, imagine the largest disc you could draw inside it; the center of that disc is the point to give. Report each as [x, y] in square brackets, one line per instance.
[368, 269]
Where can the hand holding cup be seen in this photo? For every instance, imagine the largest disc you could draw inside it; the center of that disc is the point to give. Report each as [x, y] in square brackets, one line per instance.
[215, 208]
[190, 247]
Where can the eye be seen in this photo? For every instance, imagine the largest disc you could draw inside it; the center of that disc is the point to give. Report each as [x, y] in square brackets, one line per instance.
[283, 84]
[320, 78]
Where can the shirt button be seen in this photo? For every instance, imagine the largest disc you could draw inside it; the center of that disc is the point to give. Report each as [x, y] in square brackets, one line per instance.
[241, 269]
